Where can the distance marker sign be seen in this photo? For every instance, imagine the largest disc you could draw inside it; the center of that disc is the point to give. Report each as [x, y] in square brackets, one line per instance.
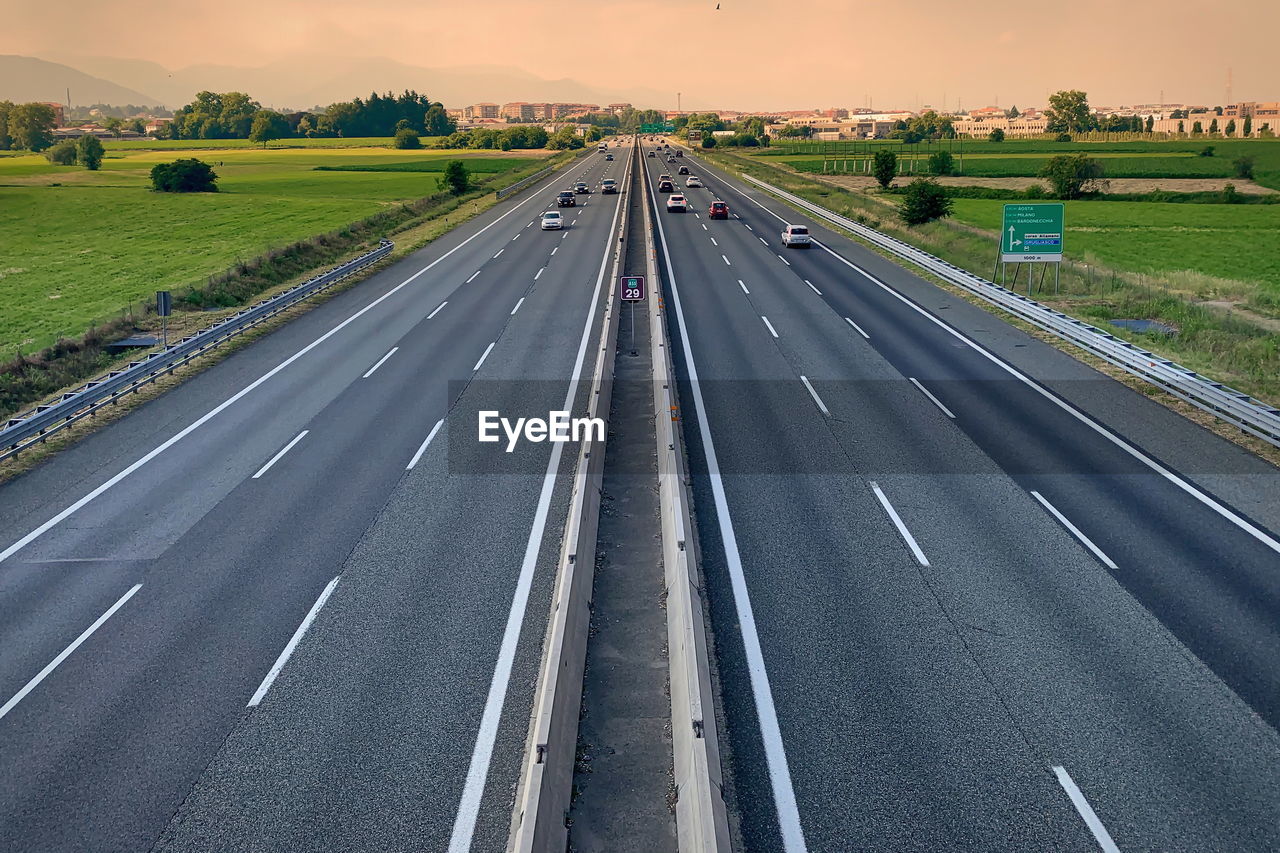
[1032, 232]
[632, 289]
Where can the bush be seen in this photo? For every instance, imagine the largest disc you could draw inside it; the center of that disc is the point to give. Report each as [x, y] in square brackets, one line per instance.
[406, 138]
[62, 154]
[1206, 151]
[1034, 191]
[1073, 175]
[1243, 167]
[1063, 137]
[708, 141]
[925, 201]
[187, 175]
[996, 135]
[941, 163]
[1229, 194]
[455, 178]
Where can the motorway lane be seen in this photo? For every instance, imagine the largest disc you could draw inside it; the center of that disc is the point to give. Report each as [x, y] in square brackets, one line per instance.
[229, 564]
[981, 533]
[1163, 536]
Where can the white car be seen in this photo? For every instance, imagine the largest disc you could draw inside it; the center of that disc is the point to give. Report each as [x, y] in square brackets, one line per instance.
[677, 203]
[693, 181]
[552, 221]
[796, 235]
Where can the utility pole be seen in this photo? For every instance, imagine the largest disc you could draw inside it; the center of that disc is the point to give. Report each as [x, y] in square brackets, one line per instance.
[679, 108]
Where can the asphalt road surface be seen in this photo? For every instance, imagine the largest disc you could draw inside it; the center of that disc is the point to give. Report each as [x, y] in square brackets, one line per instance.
[968, 593]
[153, 575]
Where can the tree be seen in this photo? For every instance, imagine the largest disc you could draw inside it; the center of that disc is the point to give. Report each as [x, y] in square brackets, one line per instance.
[1073, 175]
[1247, 129]
[1243, 167]
[924, 202]
[1213, 126]
[564, 139]
[187, 175]
[6, 141]
[1012, 112]
[114, 126]
[1151, 123]
[267, 125]
[436, 121]
[996, 135]
[62, 154]
[884, 166]
[1182, 127]
[406, 138]
[708, 141]
[137, 126]
[89, 152]
[1217, 110]
[1231, 127]
[1069, 112]
[1197, 128]
[31, 126]
[941, 163]
[455, 177]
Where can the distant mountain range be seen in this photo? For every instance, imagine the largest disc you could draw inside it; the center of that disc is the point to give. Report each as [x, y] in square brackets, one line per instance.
[25, 78]
[299, 82]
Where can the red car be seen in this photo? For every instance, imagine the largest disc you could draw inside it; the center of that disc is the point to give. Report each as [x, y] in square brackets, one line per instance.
[718, 210]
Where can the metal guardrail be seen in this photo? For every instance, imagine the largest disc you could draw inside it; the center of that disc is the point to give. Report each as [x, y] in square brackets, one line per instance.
[1234, 407]
[702, 823]
[544, 793]
[36, 425]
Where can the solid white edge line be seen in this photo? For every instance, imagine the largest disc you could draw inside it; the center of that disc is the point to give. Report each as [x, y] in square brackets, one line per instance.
[464, 824]
[811, 287]
[1086, 811]
[422, 448]
[1085, 540]
[66, 653]
[370, 371]
[859, 328]
[438, 309]
[814, 394]
[1192, 490]
[744, 287]
[784, 795]
[274, 459]
[902, 528]
[772, 330]
[519, 302]
[207, 416]
[473, 277]
[487, 350]
[287, 652]
[936, 401]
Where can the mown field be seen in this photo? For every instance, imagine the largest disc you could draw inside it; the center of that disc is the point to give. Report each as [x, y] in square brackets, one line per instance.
[1024, 158]
[79, 246]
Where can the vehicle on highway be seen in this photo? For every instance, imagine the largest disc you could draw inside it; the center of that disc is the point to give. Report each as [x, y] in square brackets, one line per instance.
[552, 220]
[693, 181]
[718, 210]
[679, 152]
[796, 236]
[582, 188]
[652, 154]
[677, 204]
[608, 156]
[608, 185]
[566, 199]
[666, 186]
[683, 170]
[671, 159]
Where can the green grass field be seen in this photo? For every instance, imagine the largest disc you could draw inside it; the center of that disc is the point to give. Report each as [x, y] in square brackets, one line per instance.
[79, 246]
[1023, 158]
[1224, 241]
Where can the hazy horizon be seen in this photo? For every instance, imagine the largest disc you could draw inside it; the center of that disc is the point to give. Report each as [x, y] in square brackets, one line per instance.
[748, 54]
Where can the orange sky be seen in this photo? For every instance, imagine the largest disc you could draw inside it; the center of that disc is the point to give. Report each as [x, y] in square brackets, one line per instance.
[751, 54]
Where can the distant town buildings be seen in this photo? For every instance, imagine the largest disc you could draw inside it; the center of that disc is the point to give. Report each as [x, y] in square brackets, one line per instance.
[523, 111]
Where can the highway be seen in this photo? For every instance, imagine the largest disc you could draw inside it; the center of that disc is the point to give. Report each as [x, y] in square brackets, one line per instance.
[968, 593]
[301, 498]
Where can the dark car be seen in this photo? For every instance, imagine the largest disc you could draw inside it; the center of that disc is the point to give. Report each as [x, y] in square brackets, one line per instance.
[666, 187]
[718, 210]
[683, 170]
[679, 153]
[608, 156]
[566, 199]
[582, 188]
[652, 154]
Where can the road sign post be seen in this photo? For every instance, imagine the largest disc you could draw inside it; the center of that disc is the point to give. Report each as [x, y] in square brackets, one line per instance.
[632, 288]
[1031, 234]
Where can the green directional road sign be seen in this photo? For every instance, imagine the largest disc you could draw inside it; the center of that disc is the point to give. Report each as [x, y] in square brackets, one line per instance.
[1031, 232]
